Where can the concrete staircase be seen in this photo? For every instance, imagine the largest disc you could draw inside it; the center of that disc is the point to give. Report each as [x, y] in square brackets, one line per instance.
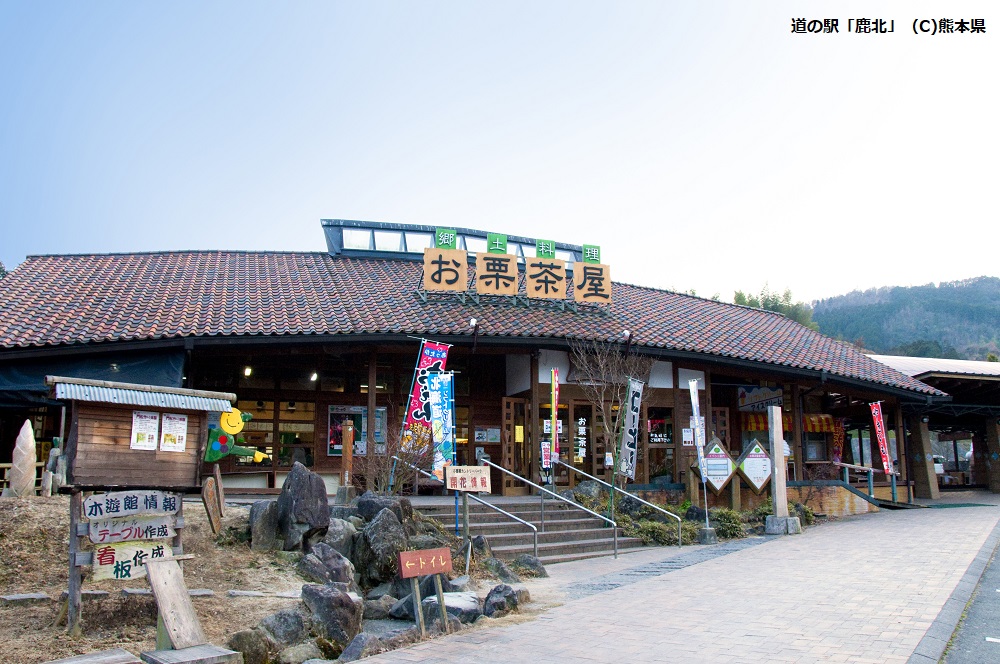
[570, 533]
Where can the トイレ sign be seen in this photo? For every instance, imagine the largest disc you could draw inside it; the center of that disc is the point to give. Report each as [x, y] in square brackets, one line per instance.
[423, 562]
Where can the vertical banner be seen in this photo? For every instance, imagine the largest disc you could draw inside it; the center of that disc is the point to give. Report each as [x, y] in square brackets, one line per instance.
[416, 434]
[629, 451]
[555, 412]
[699, 429]
[441, 398]
[883, 445]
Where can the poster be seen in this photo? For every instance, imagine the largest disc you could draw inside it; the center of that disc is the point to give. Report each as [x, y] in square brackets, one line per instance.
[173, 433]
[441, 398]
[145, 430]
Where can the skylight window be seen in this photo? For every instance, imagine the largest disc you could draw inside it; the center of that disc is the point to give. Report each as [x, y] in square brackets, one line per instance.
[388, 241]
[357, 239]
[417, 242]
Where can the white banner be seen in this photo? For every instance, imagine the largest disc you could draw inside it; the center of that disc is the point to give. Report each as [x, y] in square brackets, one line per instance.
[699, 431]
[630, 432]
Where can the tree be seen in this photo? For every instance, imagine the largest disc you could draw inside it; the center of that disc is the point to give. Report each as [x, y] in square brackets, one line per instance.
[602, 370]
[992, 357]
[3, 270]
[800, 312]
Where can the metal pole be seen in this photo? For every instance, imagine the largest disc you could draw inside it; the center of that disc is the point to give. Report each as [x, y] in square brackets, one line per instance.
[893, 480]
[871, 484]
[541, 497]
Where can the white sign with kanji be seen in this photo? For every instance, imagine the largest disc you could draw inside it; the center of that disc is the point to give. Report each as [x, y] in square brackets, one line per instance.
[128, 529]
[127, 560]
[719, 465]
[117, 504]
[467, 478]
[755, 466]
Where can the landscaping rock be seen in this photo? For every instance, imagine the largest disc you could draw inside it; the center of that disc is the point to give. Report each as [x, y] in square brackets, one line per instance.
[343, 512]
[300, 653]
[464, 606]
[357, 522]
[21, 599]
[380, 590]
[284, 628]
[424, 542]
[530, 566]
[378, 609]
[403, 587]
[370, 504]
[481, 547]
[264, 526]
[461, 584]
[403, 609]
[303, 512]
[695, 513]
[324, 564]
[362, 645]
[340, 535]
[252, 643]
[501, 571]
[501, 600]
[454, 625]
[378, 548]
[631, 507]
[589, 489]
[336, 614]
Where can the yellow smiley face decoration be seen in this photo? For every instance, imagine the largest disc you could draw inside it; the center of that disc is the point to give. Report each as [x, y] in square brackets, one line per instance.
[231, 422]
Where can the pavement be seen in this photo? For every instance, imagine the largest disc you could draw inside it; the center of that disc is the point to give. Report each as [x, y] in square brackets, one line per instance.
[884, 587]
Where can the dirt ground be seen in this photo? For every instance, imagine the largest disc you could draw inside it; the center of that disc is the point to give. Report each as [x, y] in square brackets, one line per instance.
[34, 554]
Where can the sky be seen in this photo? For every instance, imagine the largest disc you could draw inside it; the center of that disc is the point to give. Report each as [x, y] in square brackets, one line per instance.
[703, 145]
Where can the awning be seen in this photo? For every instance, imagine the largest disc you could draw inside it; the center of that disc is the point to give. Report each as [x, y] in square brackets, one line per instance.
[811, 422]
[22, 382]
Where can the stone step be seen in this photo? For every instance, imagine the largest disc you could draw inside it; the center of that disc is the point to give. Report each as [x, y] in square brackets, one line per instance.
[549, 551]
[568, 536]
[509, 526]
[527, 515]
[570, 557]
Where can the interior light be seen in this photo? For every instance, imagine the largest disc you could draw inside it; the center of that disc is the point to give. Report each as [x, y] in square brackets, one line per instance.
[314, 376]
[247, 371]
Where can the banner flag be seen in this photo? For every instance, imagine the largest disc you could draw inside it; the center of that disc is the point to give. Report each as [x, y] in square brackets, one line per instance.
[416, 434]
[441, 397]
[883, 445]
[699, 431]
[555, 412]
[629, 451]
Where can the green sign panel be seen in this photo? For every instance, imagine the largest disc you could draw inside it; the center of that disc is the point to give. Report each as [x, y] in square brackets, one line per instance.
[446, 238]
[496, 243]
[545, 249]
[591, 253]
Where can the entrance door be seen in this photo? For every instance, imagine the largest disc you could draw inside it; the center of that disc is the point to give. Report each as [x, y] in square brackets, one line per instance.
[516, 444]
[579, 443]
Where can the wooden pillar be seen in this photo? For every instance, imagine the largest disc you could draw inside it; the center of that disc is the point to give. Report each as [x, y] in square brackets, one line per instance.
[993, 453]
[779, 465]
[372, 395]
[798, 444]
[74, 594]
[533, 431]
[924, 478]
[735, 492]
[903, 450]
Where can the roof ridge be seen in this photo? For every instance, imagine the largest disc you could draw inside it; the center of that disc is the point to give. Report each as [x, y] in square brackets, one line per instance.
[175, 252]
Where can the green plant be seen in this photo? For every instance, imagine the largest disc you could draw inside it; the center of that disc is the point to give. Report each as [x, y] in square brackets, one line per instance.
[684, 507]
[728, 523]
[654, 532]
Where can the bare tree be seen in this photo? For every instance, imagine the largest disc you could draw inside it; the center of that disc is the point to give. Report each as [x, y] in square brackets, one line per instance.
[602, 370]
[378, 471]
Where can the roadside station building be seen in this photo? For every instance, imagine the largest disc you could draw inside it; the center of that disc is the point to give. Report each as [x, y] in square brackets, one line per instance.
[308, 340]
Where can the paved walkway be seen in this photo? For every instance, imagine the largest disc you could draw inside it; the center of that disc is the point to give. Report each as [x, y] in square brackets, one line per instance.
[876, 588]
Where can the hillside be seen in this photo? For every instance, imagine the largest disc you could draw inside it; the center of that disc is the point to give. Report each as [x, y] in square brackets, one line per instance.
[958, 319]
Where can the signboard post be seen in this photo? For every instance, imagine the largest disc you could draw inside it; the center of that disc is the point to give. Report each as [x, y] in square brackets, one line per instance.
[754, 465]
[422, 562]
[779, 523]
[707, 534]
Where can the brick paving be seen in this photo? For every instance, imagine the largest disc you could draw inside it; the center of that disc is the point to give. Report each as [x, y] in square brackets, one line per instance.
[863, 589]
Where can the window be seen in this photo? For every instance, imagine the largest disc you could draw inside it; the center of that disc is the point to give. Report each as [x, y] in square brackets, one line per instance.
[815, 446]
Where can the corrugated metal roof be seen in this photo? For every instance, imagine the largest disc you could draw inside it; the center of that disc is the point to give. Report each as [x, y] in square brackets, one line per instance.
[921, 366]
[143, 395]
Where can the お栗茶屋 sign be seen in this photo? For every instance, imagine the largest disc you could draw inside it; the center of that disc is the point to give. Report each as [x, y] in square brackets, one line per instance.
[754, 465]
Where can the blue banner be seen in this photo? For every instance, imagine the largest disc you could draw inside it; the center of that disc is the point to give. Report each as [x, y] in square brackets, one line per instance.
[441, 395]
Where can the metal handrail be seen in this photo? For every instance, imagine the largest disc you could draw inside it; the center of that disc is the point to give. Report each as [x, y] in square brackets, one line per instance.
[534, 529]
[614, 525]
[631, 495]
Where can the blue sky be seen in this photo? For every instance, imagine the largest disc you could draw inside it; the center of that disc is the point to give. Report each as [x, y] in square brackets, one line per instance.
[702, 145]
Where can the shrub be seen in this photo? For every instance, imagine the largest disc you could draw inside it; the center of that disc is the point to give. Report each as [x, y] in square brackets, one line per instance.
[728, 523]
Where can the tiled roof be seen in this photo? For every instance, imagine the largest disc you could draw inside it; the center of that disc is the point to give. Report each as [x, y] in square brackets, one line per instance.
[73, 299]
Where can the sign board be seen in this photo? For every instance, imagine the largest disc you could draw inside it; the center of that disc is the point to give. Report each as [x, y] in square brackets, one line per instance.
[423, 562]
[173, 432]
[127, 560]
[545, 278]
[592, 284]
[753, 398]
[754, 465]
[468, 478]
[213, 507]
[718, 466]
[130, 503]
[128, 529]
[496, 274]
[145, 430]
[445, 270]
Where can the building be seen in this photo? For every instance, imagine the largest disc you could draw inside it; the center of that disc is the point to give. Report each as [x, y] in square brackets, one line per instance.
[308, 340]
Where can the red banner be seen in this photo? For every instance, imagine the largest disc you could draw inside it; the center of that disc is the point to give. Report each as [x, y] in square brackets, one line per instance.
[883, 444]
[417, 424]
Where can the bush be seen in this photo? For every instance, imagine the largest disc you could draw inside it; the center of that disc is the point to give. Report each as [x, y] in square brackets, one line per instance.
[728, 523]
[757, 515]
[654, 532]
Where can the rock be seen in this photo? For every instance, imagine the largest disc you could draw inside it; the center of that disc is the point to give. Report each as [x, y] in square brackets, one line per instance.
[357, 522]
[403, 587]
[22, 599]
[362, 645]
[695, 513]
[523, 596]
[590, 489]
[631, 507]
[324, 564]
[378, 548]
[500, 601]
[461, 584]
[336, 614]
[264, 526]
[92, 595]
[284, 628]
[343, 512]
[454, 625]
[528, 565]
[464, 606]
[346, 495]
[403, 609]
[303, 512]
[481, 547]
[379, 590]
[501, 571]
[424, 542]
[21, 476]
[252, 643]
[378, 609]
[370, 504]
[300, 653]
[340, 535]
